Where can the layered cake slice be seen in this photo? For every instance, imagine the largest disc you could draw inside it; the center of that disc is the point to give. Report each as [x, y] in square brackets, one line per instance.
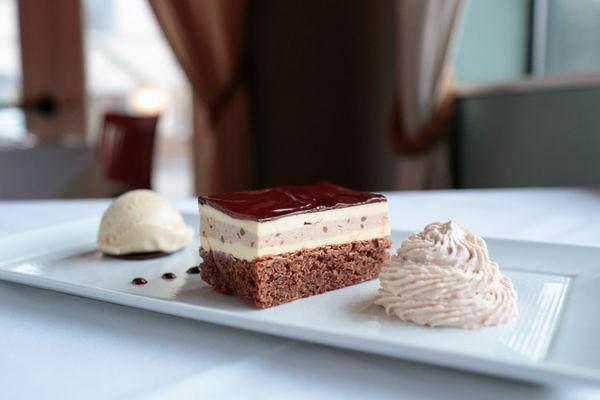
[276, 245]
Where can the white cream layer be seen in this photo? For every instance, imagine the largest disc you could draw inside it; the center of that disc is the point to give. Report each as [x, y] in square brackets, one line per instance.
[296, 222]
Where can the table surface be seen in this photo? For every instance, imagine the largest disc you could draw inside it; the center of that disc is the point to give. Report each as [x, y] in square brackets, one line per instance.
[59, 346]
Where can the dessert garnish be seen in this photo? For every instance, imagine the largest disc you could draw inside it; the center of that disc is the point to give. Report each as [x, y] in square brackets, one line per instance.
[139, 281]
[443, 276]
[193, 270]
[142, 224]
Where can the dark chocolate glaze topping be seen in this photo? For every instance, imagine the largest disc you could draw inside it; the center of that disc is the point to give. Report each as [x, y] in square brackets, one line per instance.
[281, 201]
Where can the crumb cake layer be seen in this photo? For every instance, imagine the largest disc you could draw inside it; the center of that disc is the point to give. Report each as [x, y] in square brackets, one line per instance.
[272, 280]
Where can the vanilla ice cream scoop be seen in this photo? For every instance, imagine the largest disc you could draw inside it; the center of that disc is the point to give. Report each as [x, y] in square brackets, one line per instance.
[142, 221]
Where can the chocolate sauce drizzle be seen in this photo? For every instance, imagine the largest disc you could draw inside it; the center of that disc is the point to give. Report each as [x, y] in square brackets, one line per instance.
[193, 271]
[280, 201]
[168, 276]
[139, 281]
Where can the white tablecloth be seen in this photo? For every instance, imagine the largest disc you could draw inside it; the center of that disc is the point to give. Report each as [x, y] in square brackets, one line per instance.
[59, 346]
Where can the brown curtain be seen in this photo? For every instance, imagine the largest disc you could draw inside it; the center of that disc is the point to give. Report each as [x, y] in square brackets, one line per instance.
[423, 100]
[206, 37]
[52, 61]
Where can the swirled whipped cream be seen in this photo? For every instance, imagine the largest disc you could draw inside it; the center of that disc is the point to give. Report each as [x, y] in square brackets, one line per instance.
[443, 276]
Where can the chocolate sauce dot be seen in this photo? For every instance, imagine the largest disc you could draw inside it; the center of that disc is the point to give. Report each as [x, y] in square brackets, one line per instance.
[363, 219]
[169, 276]
[193, 270]
[325, 229]
[222, 239]
[242, 231]
[139, 281]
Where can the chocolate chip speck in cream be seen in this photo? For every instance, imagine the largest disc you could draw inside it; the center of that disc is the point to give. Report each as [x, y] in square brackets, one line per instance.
[443, 276]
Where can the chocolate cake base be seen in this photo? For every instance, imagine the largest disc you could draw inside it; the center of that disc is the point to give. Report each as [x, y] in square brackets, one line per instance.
[273, 280]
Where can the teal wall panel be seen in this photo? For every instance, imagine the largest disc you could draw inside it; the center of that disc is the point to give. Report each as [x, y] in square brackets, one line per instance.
[536, 138]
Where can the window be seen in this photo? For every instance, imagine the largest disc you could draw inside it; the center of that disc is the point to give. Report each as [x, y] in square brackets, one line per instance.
[493, 41]
[130, 65]
[566, 36]
[12, 120]
[512, 39]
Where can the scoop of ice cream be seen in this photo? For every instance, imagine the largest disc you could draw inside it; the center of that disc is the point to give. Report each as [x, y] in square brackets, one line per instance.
[443, 276]
[142, 221]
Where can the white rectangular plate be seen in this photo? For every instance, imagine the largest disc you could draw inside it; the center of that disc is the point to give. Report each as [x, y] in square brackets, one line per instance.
[555, 336]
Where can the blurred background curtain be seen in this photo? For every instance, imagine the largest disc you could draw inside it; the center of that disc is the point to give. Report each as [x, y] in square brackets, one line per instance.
[422, 107]
[53, 73]
[207, 39]
[322, 86]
